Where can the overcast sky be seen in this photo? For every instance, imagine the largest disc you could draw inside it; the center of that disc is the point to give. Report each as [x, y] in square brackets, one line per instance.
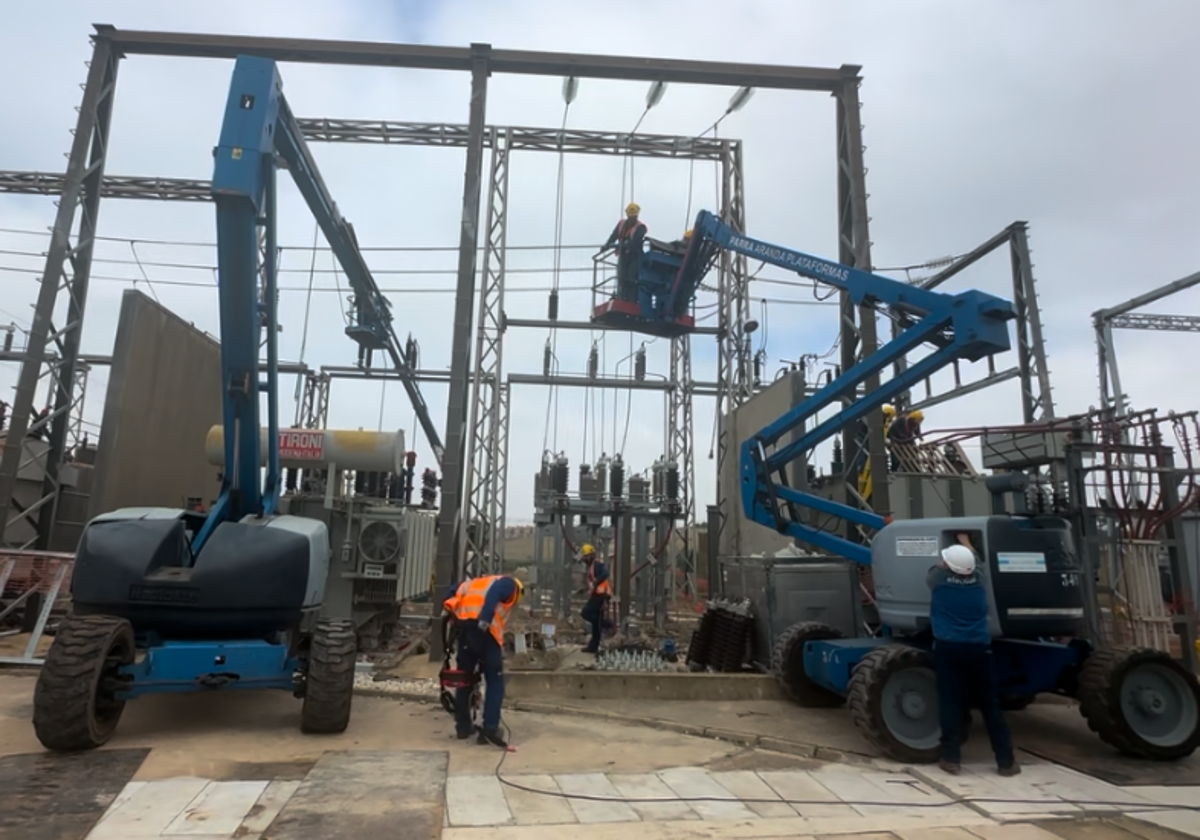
[1075, 116]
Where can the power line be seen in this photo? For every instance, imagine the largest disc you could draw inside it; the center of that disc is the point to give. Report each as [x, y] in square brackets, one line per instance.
[184, 243]
[194, 284]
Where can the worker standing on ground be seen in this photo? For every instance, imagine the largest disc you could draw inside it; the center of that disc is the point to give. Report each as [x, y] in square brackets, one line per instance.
[599, 591]
[962, 658]
[628, 237]
[481, 607]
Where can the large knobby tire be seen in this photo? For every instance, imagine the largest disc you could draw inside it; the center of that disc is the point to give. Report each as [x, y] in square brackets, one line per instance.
[893, 700]
[329, 678]
[787, 664]
[74, 707]
[1142, 702]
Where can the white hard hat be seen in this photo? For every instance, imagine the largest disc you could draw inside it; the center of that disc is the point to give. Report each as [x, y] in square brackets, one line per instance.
[960, 559]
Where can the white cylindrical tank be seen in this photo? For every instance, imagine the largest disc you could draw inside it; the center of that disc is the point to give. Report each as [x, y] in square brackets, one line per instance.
[318, 448]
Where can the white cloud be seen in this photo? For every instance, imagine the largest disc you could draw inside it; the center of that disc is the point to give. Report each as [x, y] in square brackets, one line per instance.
[975, 116]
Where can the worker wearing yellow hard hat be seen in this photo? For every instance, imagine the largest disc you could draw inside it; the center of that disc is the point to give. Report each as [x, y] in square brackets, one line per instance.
[627, 237]
[599, 591]
[481, 607]
[905, 427]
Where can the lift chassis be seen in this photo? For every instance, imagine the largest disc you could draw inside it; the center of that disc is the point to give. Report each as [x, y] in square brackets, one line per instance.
[1138, 700]
[168, 600]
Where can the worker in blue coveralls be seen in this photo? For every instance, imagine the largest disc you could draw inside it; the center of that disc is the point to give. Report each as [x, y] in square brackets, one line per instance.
[599, 590]
[962, 658]
[481, 607]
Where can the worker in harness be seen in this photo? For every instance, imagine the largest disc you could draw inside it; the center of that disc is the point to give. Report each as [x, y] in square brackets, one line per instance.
[480, 608]
[599, 591]
[628, 237]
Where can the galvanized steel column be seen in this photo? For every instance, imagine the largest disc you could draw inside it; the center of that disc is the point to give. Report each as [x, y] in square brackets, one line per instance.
[451, 525]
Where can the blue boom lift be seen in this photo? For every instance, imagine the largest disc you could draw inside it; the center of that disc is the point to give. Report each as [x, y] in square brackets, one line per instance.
[170, 600]
[1138, 700]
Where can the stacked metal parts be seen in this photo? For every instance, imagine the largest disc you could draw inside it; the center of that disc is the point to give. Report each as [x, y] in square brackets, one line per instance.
[722, 641]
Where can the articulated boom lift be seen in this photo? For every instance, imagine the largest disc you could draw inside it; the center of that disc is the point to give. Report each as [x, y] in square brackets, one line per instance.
[1139, 700]
[169, 600]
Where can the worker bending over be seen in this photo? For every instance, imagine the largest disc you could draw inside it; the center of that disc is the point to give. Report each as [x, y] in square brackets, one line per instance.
[599, 591]
[628, 237]
[481, 607]
[906, 427]
[962, 658]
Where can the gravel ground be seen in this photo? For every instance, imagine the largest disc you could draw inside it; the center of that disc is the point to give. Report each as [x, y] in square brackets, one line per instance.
[428, 687]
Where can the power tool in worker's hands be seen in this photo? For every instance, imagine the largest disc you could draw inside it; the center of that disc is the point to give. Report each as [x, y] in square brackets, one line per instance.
[452, 679]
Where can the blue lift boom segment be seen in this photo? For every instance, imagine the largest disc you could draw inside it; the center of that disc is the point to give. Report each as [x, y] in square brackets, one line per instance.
[967, 325]
[258, 127]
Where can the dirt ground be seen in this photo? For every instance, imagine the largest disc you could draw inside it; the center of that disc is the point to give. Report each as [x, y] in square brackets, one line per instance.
[217, 735]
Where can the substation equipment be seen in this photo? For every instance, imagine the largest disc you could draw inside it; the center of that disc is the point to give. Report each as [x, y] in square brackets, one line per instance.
[360, 485]
[630, 518]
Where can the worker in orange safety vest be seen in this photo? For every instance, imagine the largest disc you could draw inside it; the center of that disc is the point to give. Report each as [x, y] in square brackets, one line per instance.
[599, 591]
[628, 237]
[481, 607]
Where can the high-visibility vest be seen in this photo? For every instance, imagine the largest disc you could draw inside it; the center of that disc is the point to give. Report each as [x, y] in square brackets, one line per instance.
[467, 604]
[602, 588]
[627, 226]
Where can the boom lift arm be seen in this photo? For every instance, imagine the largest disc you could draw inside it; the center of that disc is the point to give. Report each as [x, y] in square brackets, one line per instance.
[967, 325]
[259, 130]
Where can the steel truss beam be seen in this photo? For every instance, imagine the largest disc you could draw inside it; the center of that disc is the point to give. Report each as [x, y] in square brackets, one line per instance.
[1121, 316]
[520, 62]
[735, 383]
[67, 268]
[858, 331]
[1037, 400]
[485, 510]
[1158, 323]
[681, 450]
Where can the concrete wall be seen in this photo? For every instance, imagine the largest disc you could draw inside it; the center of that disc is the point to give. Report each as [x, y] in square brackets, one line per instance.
[741, 537]
[164, 394]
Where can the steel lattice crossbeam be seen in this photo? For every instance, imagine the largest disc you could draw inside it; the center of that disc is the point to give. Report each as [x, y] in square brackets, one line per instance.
[462, 59]
[444, 135]
[1150, 321]
[113, 186]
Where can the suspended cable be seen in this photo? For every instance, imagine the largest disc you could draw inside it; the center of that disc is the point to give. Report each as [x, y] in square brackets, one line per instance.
[312, 273]
[145, 276]
[570, 88]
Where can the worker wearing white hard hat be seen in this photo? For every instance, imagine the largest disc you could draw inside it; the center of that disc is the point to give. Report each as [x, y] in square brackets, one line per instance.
[962, 657]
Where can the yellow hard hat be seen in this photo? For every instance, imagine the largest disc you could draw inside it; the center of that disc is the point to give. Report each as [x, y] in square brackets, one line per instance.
[889, 410]
[632, 209]
[917, 416]
[520, 591]
[687, 234]
[588, 549]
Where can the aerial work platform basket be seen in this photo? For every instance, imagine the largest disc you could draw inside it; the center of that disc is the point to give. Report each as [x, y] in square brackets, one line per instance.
[662, 301]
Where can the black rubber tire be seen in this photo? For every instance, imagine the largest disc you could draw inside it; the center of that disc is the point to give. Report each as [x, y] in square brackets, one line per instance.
[865, 698]
[1016, 702]
[329, 678]
[1100, 683]
[71, 709]
[787, 665]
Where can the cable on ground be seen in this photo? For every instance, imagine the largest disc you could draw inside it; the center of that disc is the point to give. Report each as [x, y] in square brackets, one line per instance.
[951, 799]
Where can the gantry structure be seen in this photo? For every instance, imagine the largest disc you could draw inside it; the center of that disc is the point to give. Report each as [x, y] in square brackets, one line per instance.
[1123, 316]
[474, 466]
